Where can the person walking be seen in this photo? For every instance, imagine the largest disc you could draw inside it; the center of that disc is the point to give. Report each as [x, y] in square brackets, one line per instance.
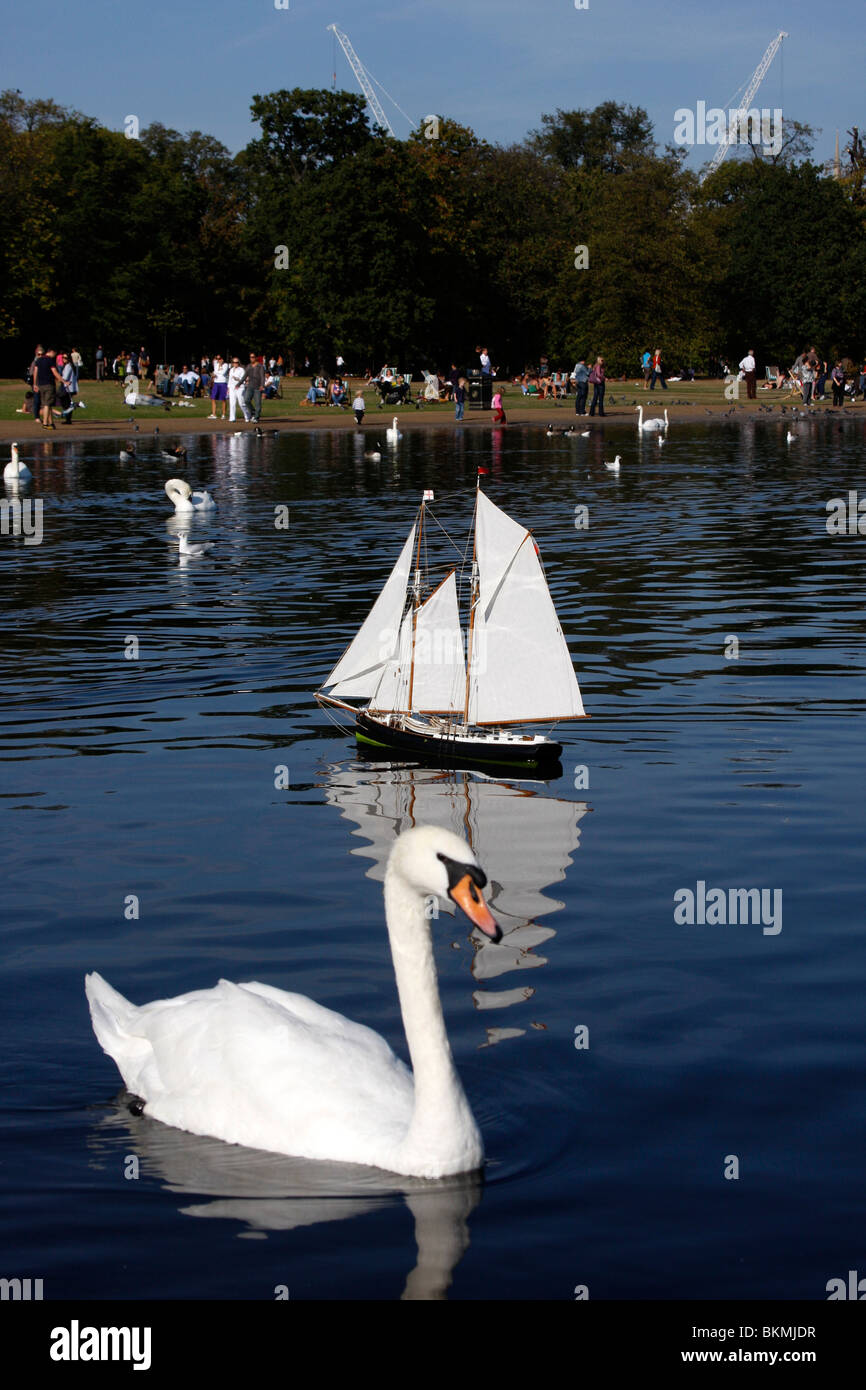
[46, 380]
[837, 376]
[581, 385]
[498, 411]
[236, 379]
[254, 378]
[749, 369]
[658, 370]
[100, 362]
[597, 381]
[459, 397]
[219, 387]
[646, 367]
[359, 406]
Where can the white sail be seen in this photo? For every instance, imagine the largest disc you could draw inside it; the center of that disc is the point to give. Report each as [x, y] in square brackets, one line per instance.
[360, 668]
[392, 690]
[521, 670]
[439, 679]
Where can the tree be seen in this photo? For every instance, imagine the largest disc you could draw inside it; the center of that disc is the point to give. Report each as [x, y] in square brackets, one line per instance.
[594, 140]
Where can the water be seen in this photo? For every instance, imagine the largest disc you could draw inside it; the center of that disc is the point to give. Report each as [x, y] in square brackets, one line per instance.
[156, 777]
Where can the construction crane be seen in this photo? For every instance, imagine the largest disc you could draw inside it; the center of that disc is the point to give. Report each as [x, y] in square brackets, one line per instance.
[742, 111]
[363, 79]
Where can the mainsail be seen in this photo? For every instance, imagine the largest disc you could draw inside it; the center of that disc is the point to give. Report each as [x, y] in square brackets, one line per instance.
[521, 670]
[360, 668]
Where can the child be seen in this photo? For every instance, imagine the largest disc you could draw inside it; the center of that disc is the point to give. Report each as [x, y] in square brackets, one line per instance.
[459, 398]
[358, 407]
[498, 412]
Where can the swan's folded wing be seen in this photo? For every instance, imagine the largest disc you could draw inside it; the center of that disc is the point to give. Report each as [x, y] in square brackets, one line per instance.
[299, 1006]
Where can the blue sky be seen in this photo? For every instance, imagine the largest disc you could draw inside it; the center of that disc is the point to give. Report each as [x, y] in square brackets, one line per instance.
[494, 65]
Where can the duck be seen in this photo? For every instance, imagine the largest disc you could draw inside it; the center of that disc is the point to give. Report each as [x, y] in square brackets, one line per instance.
[569, 433]
[374, 454]
[198, 548]
[614, 467]
[16, 471]
[584, 434]
[185, 500]
[254, 1065]
[549, 432]
[392, 434]
[175, 455]
[655, 424]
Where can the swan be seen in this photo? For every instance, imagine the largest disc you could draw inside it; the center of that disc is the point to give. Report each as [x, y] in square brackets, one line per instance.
[185, 500]
[16, 471]
[253, 1065]
[656, 424]
[392, 434]
[614, 467]
[185, 548]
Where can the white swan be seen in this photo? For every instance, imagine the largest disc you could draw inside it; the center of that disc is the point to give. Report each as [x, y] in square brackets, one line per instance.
[655, 424]
[392, 434]
[253, 1065]
[614, 467]
[16, 471]
[185, 500]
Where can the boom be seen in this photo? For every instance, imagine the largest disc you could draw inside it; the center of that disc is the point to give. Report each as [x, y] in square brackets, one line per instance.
[363, 80]
[734, 128]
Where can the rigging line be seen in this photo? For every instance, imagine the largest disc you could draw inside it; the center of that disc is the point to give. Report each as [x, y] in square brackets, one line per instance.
[461, 553]
[391, 99]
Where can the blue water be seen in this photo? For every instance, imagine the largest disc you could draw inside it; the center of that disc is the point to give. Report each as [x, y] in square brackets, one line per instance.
[156, 777]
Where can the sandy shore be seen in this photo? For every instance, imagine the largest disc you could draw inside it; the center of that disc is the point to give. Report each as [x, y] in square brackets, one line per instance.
[539, 414]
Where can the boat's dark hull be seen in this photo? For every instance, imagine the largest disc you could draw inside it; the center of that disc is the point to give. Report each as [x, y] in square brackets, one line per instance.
[451, 752]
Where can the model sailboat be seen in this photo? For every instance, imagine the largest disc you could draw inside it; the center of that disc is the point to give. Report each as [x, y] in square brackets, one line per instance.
[425, 698]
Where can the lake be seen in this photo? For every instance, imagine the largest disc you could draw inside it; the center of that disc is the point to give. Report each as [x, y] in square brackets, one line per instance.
[671, 1108]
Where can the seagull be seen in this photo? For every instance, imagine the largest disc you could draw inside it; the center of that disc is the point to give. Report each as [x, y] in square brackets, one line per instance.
[199, 548]
[614, 467]
[16, 471]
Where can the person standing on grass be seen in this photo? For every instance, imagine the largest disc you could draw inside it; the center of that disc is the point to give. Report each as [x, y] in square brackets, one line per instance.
[581, 385]
[646, 363]
[807, 377]
[359, 406]
[749, 369]
[498, 411]
[236, 390]
[220, 387]
[657, 370]
[100, 362]
[46, 380]
[460, 397]
[254, 379]
[597, 381]
[837, 376]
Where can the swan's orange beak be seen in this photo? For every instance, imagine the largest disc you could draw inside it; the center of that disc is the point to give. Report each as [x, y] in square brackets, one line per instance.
[468, 898]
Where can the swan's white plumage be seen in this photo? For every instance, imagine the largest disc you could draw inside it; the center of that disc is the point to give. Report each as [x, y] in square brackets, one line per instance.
[392, 433]
[185, 500]
[16, 471]
[255, 1065]
[654, 424]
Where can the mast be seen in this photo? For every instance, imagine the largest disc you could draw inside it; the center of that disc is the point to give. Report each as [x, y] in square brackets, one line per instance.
[473, 599]
[417, 604]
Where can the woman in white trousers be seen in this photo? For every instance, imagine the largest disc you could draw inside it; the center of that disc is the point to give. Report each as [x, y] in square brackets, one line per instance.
[236, 390]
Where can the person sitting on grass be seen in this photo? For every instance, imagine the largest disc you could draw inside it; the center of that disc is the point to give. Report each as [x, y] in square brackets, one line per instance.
[28, 407]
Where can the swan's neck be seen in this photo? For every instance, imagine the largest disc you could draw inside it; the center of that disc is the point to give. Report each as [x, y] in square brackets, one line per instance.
[442, 1128]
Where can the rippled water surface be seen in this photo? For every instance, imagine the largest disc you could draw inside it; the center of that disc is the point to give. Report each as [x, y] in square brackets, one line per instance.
[157, 777]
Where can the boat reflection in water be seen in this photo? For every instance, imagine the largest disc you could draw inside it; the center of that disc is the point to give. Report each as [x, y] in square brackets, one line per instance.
[524, 839]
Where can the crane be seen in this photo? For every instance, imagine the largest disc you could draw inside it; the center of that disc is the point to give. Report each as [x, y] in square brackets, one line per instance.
[734, 127]
[363, 79]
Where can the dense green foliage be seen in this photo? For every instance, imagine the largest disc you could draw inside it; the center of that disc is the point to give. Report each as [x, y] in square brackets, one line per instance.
[325, 235]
